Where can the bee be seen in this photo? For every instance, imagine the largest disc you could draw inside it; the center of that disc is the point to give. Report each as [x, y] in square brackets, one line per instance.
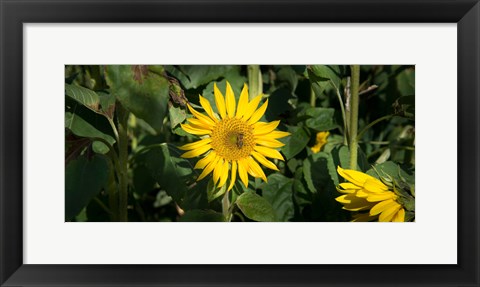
[240, 141]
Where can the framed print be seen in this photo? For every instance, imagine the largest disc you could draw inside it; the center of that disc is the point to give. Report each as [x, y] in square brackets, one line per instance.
[283, 122]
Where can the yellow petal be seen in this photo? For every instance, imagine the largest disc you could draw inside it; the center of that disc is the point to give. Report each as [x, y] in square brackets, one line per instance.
[201, 117]
[362, 193]
[256, 168]
[252, 107]
[278, 134]
[261, 159]
[209, 168]
[234, 174]
[384, 205]
[194, 130]
[230, 101]
[315, 148]
[387, 215]
[322, 136]
[196, 144]
[250, 170]
[356, 177]
[356, 203]
[208, 108]
[344, 199]
[381, 196]
[206, 160]
[219, 101]
[269, 143]
[363, 217]
[375, 185]
[341, 190]
[268, 152]
[197, 152]
[261, 128]
[217, 171]
[258, 114]
[224, 174]
[196, 123]
[348, 185]
[242, 102]
[400, 216]
[242, 172]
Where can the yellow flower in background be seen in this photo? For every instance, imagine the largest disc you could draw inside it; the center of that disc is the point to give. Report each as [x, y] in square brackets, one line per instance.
[364, 192]
[320, 141]
[234, 141]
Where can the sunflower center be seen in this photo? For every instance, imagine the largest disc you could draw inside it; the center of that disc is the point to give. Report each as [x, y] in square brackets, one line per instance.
[232, 139]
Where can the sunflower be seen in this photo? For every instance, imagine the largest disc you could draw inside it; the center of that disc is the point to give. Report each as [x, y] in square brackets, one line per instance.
[320, 141]
[233, 141]
[364, 192]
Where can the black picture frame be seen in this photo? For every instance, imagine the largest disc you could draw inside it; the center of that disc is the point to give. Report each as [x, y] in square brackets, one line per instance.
[466, 13]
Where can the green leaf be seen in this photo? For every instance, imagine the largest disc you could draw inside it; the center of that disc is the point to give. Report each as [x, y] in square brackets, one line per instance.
[394, 170]
[170, 172]
[287, 77]
[85, 123]
[196, 196]
[302, 195]
[197, 75]
[84, 96]
[319, 182]
[145, 95]
[107, 104]
[279, 193]
[198, 215]
[214, 192]
[177, 116]
[327, 72]
[406, 82]
[255, 207]
[319, 86]
[296, 142]
[321, 119]
[315, 171]
[338, 156]
[84, 178]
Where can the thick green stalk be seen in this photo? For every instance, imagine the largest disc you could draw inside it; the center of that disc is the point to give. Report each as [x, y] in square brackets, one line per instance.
[353, 143]
[123, 163]
[255, 85]
[112, 189]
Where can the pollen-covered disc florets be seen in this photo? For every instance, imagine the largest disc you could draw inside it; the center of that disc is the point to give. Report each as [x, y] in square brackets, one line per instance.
[232, 139]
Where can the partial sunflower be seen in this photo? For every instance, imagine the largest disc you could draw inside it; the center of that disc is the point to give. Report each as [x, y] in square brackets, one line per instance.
[235, 140]
[320, 141]
[364, 192]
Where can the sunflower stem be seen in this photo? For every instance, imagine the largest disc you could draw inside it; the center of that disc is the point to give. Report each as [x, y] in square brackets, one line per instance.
[226, 206]
[254, 81]
[353, 128]
[123, 163]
